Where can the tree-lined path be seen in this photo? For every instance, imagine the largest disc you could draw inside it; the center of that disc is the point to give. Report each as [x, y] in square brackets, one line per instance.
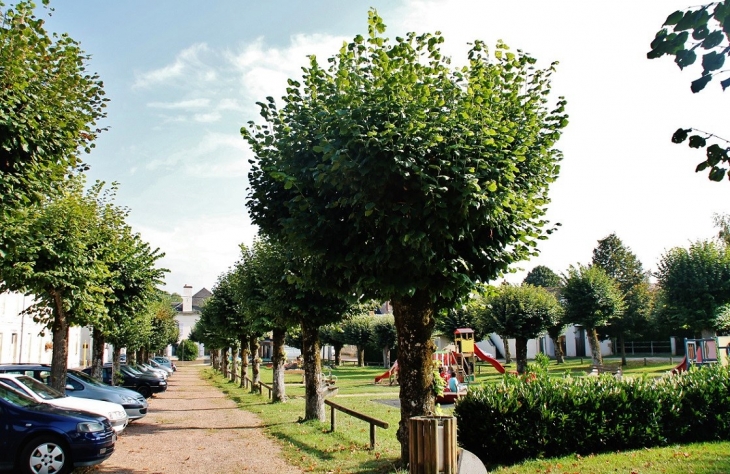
[193, 427]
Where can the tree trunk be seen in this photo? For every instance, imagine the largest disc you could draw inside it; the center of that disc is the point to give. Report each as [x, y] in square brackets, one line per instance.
[139, 355]
[338, 354]
[414, 321]
[131, 356]
[234, 362]
[313, 394]
[521, 346]
[214, 358]
[361, 356]
[507, 353]
[278, 359]
[386, 357]
[253, 346]
[97, 354]
[622, 344]
[243, 340]
[59, 358]
[116, 361]
[595, 346]
[224, 361]
[559, 356]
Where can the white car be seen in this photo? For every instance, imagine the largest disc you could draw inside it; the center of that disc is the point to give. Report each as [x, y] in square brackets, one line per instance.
[42, 393]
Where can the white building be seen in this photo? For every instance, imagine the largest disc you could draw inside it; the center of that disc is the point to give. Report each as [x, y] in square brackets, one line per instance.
[23, 340]
[188, 312]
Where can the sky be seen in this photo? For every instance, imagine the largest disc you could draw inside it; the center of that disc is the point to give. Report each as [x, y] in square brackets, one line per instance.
[183, 77]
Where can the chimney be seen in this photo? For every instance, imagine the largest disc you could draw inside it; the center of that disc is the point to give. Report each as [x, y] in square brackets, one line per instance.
[187, 297]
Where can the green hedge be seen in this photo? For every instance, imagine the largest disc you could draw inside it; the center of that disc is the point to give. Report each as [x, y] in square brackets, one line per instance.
[541, 416]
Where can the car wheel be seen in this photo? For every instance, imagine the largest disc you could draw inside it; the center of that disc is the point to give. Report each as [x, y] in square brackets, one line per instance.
[45, 455]
[145, 391]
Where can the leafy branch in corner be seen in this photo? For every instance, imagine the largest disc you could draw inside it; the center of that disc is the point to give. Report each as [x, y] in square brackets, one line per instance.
[716, 154]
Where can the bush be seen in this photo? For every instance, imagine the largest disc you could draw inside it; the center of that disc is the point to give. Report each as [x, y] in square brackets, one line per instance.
[540, 417]
[187, 350]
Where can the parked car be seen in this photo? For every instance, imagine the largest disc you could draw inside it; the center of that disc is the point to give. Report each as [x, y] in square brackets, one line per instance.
[42, 393]
[165, 361]
[144, 384]
[41, 438]
[157, 365]
[79, 384]
[148, 369]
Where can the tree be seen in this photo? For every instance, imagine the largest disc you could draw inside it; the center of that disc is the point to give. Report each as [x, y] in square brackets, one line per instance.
[49, 106]
[710, 28]
[384, 336]
[694, 283]
[358, 332]
[621, 264]
[542, 276]
[410, 181]
[593, 300]
[54, 253]
[523, 312]
[333, 335]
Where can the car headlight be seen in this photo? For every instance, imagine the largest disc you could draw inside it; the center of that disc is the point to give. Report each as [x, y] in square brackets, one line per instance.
[162, 382]
[116, 415]
[126, 399]
[90, 427]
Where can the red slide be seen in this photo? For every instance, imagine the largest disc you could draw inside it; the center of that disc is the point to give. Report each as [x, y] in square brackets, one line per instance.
[681, 367]
[483, 356]
[387, 373]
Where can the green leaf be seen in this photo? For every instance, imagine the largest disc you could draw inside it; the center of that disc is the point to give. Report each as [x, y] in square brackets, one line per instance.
[712, 61]
[713, 39]
[696, 141]
[680, 135]
[699, 84]
[716, 154]
[685, 58]
[725, 83]
[717, 174]
[700, 33]
[674, 18]
[702, 166]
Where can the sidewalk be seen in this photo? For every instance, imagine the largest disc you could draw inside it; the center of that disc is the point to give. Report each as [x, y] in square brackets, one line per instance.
[194, 428]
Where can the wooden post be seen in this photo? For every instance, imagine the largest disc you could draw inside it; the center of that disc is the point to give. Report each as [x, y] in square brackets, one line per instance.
[332, 416]
[432, 445]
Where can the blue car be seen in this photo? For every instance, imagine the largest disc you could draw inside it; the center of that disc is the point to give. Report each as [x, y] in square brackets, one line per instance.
[37, 438]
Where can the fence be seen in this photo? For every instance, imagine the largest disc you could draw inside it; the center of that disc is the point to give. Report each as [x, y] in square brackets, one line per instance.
[646, 347]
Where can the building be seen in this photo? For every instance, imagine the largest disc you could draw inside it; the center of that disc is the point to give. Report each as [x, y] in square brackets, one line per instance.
[188, 312]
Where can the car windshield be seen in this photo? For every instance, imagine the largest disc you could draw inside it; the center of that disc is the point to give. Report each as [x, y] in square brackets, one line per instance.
[41, 389]
[87, 378]
[16, 398]
[132, 370]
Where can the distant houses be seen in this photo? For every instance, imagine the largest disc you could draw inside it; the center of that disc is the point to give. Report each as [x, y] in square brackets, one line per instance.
[188, 312]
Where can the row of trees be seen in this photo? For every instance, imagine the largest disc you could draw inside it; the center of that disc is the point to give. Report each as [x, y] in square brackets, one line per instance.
[66, 243]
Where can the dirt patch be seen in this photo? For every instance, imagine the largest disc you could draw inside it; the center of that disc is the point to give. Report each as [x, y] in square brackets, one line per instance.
[194, 428]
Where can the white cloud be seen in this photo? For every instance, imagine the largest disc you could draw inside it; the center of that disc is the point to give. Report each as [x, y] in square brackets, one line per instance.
[188, 66]
[196, 248]
[182, 104]
[207, 118]
[214, 155]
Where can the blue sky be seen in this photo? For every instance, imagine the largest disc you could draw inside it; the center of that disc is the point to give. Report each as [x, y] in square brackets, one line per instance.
[183, 77]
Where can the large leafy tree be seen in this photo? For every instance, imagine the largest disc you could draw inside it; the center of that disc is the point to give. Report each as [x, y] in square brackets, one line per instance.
[358, 332]
[694, 283]
[593, 300]
[56, 253]
[542, 276]
[410, 180]
[49, 106]
[702, 30]
[621, 264]
[384, 335]
[522, 312]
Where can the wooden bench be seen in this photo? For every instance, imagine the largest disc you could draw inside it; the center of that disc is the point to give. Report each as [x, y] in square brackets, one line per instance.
[613, 369]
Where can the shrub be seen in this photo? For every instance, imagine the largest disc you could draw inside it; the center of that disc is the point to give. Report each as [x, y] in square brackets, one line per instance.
[187, 350]
[519, 419]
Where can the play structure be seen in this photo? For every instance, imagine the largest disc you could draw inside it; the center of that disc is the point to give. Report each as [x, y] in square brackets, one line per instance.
[704, 351]
[459, 358]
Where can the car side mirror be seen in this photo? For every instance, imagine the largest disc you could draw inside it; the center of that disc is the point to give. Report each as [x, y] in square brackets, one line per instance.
[69, 387]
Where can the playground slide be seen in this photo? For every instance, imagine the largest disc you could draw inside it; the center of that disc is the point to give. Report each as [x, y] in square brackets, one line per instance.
[387, 373]
[681, 367]
[481, 355]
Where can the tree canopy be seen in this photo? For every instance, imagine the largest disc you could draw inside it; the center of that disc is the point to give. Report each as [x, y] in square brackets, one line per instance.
[542, 276]
[703, 29]
[408, 179]
[49, 106]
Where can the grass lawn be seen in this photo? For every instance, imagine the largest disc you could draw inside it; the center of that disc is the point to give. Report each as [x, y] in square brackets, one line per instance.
[314, 448]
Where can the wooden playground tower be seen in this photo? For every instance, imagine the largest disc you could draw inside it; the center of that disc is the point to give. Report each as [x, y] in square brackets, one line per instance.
[464, 341]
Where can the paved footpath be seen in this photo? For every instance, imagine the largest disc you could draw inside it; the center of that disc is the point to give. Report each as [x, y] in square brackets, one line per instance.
[193, 428]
